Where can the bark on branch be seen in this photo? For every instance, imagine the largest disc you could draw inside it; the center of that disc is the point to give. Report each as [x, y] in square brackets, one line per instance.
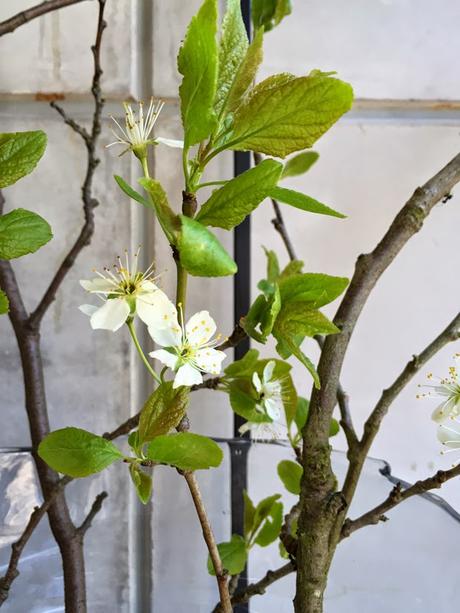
[9, 25]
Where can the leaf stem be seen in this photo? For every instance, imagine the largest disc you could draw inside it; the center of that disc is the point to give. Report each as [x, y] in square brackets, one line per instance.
[130, 324]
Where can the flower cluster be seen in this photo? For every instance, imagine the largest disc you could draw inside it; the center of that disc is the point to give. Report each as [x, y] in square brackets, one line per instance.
[126, 292]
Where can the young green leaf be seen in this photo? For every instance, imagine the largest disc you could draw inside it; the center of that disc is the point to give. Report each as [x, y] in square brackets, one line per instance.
[293, 268]
[269, 13]
[288, 344]
[186, 451]
[298, 318]
[243, 367]
[271, 527]
[197, 62]
[142, 482]
[131, 192]
[259, 321]
[243, 401]
[228, 206]
[201, 254]
[334, 427]
[77, 453]
[233, 554]
[162, 412]
[168, 220]
[299, 164]
[246, 72]
[263, 511]
[290, 474]
[249, 513]
[4, 304]
[232, 51]
[284, 114]
[301, 414]
[20, 152]
[313, 288]
[22, 232]
[273, 267]
[303, 202]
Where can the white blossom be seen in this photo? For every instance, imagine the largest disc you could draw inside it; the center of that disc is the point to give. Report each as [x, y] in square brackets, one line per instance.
[188, 350]
[125, 292]
[137, 133]
[449, 435]
[448, 389]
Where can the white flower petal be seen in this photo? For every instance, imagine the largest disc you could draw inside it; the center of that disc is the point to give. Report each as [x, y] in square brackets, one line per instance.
[170, 142]
[256, 382]
[111, 316]
[147, 286]
[166, 358]
[210, 360]
[273, 408]
[166, 337]
[187, 375]
[268, 370]
[88, 309]
[449, 434]
[442, 412]
[156, 310]
[99, 285]
[200, 328]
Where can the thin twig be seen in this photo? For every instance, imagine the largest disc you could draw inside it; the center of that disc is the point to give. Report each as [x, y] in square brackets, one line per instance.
[258, 588]
[89, 202]
[9, 25]
[396, 496]
[225, 604]
[235, 338]
[280, 227]
[95, 508]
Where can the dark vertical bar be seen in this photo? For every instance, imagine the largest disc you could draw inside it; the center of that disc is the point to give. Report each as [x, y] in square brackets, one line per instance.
[242, 299]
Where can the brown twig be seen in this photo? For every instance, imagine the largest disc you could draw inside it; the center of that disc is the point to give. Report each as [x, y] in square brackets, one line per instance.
[27, 331]
[95, 508]
[280, 227]
[9, 25]
[234, 339]
[225, 604]
[259, 587]
[396, 496]
[89, 202]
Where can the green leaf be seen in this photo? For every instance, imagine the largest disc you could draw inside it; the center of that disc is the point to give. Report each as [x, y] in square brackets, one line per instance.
[313, 288]
[334, 427]
[162, 412]
[232, 51]
[22, 232]
[262, 315]
[142, 482]
[233, 554]
[229, 206]
[301, 414]
[129, 191]
[243, 367]
[185, 451]
[293, 268]
[299, 164]
[77, 453]
[201, 253]
[249, 513]
[273, 267]
[288, 343]
[246, 72]
[284, 114]
[303, 202]
[4, 303]
[300, 318]
[243, 401]
[263, 511]
[272, 526]
[20, 152]
[197, 62]
[269, 13]
[168, 220]
[290, 474]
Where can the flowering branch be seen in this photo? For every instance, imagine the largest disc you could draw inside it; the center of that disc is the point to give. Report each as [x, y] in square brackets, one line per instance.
[9, 25]
[396, 496]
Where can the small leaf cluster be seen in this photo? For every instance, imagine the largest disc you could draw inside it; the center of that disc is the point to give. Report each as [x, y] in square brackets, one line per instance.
[262, 526]
[21, 231]
[78, 453]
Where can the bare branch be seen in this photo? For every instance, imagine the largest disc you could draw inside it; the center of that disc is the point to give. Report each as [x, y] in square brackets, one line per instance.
[396, 496]
[89, 202]
[9, 25]
[280, 227]
[259, 588]
[95, 508]
[234, 339]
